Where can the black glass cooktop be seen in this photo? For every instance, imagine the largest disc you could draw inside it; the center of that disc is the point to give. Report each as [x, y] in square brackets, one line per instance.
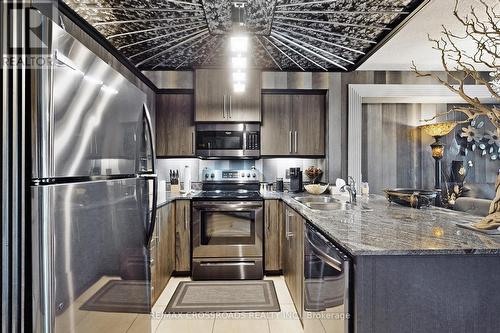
[228, 195]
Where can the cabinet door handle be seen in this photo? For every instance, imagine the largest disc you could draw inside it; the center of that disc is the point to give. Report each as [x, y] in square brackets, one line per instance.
[290, 141]
[186, 220]
[224, 106]
[192, 142]
[230, 107]
[295, 134]
[268, 223]
[159, 227]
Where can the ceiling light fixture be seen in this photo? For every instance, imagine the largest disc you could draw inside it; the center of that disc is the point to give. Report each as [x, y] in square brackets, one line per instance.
[239, 62]
[239, 44]
[239, 76]
[239, 87]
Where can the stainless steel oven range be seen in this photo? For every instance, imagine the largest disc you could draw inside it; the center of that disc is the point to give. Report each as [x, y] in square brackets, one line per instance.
[227, 218]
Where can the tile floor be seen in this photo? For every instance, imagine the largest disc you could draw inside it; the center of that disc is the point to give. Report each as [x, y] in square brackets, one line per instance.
[251, 322]
[74, 320]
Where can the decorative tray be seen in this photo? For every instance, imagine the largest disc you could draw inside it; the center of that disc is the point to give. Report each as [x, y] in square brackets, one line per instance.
[471, 227]
[410, 197]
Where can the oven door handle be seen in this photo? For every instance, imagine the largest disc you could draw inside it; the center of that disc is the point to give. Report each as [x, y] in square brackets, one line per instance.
[221, 205]
[226, 207]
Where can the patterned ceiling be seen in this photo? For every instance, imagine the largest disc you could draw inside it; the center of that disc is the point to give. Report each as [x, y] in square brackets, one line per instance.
[289, 35]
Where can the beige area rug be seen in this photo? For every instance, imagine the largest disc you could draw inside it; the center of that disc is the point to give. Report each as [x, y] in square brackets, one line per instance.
[224, 296]
[120, 296]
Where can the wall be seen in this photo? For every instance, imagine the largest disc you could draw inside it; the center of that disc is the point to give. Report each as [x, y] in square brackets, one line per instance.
[395, 153]
[270, 168]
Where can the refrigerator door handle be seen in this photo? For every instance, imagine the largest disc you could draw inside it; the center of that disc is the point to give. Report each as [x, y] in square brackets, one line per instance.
[152, 176]
[151, 139]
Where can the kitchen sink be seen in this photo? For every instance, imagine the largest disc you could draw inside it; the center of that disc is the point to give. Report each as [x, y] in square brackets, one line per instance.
[336, 205]
[330, 203]
[317, 199]
[322, 203]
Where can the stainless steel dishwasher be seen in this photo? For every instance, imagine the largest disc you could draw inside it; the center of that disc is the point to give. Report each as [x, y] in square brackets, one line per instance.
[326, 285]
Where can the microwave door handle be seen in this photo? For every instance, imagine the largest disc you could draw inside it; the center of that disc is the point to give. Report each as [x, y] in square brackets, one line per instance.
[245, 139]
[224, 106]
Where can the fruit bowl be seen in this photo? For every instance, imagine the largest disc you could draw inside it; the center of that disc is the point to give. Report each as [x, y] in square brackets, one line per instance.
[316, 188]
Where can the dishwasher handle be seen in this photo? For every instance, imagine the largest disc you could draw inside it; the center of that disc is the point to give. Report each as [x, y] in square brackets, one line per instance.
[328, 259]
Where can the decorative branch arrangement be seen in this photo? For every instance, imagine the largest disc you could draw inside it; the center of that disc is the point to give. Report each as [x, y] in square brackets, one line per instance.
[482, 28]
[461, 65]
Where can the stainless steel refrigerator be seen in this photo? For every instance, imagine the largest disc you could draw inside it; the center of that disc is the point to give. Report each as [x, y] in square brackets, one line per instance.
[93, 190]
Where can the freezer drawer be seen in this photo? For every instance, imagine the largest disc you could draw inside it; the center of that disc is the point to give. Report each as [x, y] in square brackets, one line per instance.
[90, 252]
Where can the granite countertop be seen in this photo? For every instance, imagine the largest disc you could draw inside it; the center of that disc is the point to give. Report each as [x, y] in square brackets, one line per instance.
[165, 197]
[390, 229]
[387, 228]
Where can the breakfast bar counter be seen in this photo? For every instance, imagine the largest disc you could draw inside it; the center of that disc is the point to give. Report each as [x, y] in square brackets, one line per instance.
[374, 226]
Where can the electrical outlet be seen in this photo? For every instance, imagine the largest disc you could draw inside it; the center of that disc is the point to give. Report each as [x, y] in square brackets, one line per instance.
[287, 174]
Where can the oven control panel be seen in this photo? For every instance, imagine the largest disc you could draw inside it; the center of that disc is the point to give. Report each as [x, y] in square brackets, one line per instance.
[229, 175]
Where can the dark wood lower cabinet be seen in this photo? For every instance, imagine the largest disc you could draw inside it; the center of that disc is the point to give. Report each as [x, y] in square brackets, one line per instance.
[273, 229]
[293, 258]
[162, 249]
[183, 236]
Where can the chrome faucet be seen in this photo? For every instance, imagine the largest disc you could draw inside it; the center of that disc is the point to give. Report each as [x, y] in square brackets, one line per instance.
[351, 188]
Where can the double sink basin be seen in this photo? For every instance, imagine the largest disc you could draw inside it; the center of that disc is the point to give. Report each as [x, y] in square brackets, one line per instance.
[322, 203]
[328, 203]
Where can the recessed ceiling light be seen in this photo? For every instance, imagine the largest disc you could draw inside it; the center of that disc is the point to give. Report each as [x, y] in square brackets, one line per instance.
[239, 62]
[239, 77]
[238, 87]
[239, 44]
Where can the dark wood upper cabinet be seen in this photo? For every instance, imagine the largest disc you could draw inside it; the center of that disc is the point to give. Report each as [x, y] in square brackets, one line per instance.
[308, 115]
[276, 127]
[175, 124]
[215, 100]
[293, 124]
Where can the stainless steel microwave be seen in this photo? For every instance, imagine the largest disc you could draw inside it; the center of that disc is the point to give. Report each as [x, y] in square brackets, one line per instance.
[233, 141]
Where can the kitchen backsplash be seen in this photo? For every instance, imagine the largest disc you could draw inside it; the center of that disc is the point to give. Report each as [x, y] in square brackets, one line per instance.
[270, 168]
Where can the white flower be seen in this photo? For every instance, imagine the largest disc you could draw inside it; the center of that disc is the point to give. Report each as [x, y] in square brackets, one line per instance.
[492, 138]
[470, 133]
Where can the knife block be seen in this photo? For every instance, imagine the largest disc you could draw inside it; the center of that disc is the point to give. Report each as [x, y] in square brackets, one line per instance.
[175, 188]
